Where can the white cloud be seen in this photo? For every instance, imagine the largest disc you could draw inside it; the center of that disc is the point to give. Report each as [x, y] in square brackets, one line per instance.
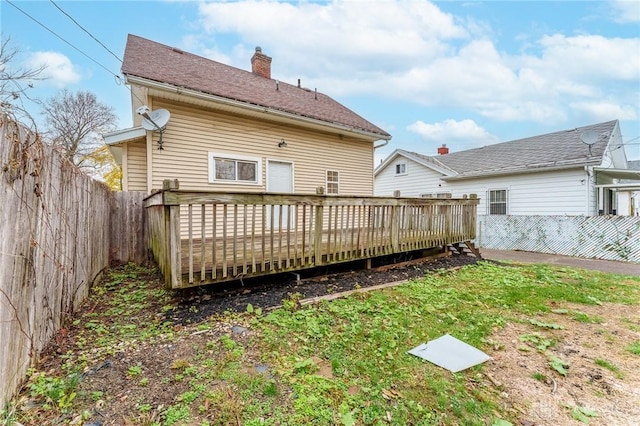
[625, 11]
[339, 36]
[59, 71]
[606, 110]
[462, 134]
[411, 51]
[590, 57]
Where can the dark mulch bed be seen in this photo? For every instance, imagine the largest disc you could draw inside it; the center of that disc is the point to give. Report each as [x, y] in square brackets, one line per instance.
[195, 305]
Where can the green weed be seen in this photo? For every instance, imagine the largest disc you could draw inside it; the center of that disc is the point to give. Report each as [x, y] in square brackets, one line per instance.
[583, 317]
[56, 392]
[634, 348]
[582, 414]
[537, 340]
[562, 367]
[609, 366]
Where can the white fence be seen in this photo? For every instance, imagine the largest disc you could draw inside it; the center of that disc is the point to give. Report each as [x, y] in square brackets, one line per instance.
[595, 237]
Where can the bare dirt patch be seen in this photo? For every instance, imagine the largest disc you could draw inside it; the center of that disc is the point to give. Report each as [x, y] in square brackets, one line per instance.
[545, 398]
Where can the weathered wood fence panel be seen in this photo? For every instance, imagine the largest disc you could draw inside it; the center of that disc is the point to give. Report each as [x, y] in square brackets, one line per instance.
[596, 237]
[128, 228]
[54, 241]
[207, 237]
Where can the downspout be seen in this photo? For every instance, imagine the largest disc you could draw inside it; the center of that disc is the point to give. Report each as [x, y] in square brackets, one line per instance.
[588, 188]
[385, 142]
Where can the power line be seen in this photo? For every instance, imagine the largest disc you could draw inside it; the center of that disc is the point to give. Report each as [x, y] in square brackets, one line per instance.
[116, 76]
[85, 30]
[55, 34]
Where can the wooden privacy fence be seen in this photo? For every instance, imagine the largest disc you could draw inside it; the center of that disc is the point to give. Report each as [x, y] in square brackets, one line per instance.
[207, 237]
[596, 237]
[55, 239]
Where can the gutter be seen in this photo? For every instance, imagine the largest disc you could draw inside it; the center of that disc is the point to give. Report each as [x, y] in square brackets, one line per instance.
[517, 171]
[240, 105]
[620, 186]
[385, 142]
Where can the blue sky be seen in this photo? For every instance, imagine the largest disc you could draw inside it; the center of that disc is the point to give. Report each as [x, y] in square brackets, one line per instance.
[466, 74]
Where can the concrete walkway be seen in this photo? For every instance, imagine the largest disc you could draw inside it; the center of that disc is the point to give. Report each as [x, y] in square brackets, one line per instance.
[611, 266]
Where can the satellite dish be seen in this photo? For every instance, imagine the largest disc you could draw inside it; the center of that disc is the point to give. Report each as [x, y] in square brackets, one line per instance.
[156, 119]
[589, 137]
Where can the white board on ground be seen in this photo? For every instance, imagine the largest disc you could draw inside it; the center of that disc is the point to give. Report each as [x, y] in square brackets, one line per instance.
[450, 353]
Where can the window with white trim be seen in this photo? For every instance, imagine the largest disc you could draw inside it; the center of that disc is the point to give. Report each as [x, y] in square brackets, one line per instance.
[401, 169]
[333, 182]
[225, 168]
[497, 202]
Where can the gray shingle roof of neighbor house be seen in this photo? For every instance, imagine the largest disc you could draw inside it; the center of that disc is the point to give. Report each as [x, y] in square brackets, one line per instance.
[160, 63]
[555, 149]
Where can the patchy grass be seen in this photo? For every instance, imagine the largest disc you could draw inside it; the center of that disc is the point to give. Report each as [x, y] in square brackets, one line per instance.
[342, 362]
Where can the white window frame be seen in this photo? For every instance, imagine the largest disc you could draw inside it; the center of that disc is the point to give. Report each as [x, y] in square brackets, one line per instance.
[234, 157]
[326, 181]
[490, 203]
[402, 166]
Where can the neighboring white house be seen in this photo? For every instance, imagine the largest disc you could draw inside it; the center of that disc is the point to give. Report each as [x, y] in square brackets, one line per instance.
[629, 193]
[551, 174]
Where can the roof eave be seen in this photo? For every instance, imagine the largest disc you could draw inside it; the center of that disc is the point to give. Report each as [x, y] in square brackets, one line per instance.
[241, 107]
[619, 173]
[521, 170]
[124, 135]
[435, 165]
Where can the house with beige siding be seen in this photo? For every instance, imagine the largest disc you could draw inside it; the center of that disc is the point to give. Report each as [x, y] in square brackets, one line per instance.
[233, 130]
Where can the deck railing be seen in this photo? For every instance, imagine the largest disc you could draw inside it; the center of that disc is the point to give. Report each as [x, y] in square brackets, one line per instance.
[207, 237]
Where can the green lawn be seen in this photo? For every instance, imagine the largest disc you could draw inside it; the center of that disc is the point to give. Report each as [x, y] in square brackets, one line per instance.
[342, 362]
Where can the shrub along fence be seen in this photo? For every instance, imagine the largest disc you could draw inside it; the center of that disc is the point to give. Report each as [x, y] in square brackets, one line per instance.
[57, 226]
[596, 237]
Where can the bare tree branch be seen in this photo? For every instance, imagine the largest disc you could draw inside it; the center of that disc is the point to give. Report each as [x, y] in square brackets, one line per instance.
[15, 82]
[75, 122]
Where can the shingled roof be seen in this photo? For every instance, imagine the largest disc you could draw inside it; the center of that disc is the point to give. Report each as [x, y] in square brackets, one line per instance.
[557, 149]
[160, 63]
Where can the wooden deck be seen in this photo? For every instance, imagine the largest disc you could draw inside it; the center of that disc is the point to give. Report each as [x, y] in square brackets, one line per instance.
[202, 238]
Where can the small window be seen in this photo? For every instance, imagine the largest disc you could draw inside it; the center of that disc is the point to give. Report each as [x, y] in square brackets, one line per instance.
[401, 169]
[498, 201]
[233, 169]
[333, 182]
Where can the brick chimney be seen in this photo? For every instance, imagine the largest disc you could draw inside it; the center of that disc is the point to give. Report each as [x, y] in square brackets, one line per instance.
[261, 64]
[442, 150]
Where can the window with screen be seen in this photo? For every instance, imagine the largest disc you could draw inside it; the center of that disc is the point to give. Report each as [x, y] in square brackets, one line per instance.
[232, 169]
[497, 201]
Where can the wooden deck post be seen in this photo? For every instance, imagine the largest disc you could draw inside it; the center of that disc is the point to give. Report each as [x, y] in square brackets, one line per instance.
[395, 226]
[175, 252]
[317, 235]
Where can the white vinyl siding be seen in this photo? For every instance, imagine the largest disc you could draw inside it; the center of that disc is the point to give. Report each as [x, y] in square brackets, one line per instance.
[421, 180]
[559, 192]
[193, 132]
[136, 166]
